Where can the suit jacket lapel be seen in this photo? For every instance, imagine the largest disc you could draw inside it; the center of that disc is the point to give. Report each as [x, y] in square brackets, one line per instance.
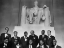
[23, 38]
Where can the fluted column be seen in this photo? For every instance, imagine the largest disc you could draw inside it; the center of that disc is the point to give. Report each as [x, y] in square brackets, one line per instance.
[23, 15]
[48, 17]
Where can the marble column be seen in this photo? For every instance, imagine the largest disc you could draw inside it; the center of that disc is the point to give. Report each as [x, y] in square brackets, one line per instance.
[48, 17]
[23, 15]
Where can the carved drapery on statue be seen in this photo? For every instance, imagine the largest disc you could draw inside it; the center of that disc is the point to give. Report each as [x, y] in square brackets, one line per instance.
[36, 15]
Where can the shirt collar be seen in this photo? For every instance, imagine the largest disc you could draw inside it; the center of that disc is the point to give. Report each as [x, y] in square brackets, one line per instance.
[25, 37]
[30, 44]
[5, 44]
[55, 46]
[15, 37]
[43, 35]
[33, 35]
[49, 36]
[42, 46]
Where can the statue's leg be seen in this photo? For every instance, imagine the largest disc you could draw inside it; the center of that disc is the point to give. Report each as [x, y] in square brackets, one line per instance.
[38, 18]
[35, 20]
[30, 19]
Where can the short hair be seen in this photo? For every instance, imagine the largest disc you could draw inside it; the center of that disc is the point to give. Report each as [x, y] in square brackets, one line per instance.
[41, 40]
[6, 28]
[31, 40]
[15, 31]
[49, 30]
[55, 40]
[43, 31]
[25, 32]
[32, 31]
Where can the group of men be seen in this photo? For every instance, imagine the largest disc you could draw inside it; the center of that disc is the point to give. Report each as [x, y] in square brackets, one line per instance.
[33, 41]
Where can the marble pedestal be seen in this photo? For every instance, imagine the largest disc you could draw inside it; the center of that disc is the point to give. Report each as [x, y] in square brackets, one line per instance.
[37, 28]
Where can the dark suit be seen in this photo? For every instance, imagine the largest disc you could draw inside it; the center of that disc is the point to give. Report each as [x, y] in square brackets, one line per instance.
[50, 41]
[57, 46]
[44, 39]
[35, 39]
[3, 36]
[18, 40]
[23, 42]
[9, 45]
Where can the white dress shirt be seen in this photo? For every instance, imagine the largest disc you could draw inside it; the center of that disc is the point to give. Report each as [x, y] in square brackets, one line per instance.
[30, 46]
[15, 37]
[42, 35]
[50, 36]
[55, 46]
[6, 35]
[42, 46]
[5, 45]
[25, 38]
[17, 46]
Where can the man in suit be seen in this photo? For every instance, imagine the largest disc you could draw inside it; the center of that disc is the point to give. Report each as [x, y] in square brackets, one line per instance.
[50, 39]
[6, 44]
[15, 40]
[34, 38]
[24, 40]
[41, 44]
[31, 45]
[43, 37]
[5, 35]
[55, 44]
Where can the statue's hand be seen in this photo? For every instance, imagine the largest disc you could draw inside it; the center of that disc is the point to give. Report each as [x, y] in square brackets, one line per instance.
[44, 18]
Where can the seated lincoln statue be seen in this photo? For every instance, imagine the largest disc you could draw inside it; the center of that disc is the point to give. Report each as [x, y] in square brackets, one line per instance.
[36, 15]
